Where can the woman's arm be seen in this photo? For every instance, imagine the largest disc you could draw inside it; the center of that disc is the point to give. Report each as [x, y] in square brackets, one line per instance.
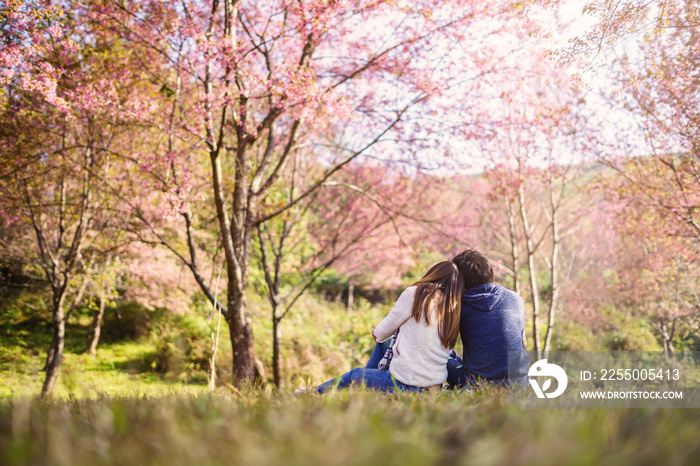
[399, 314]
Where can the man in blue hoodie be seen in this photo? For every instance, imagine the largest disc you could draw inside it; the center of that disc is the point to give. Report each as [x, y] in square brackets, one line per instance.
[492, 325]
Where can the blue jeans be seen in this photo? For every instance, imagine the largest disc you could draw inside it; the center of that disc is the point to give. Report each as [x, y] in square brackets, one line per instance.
[370, 376]
[377, 355]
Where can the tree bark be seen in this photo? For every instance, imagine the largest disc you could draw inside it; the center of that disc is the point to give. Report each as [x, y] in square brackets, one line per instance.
[514, 253]
[96, 327]
[351, 296]
[241, 332]
[532, 272]
[668, 338]
[276, 348]
[514, 250]
[214, 350]
[55, 356]
[554, 273]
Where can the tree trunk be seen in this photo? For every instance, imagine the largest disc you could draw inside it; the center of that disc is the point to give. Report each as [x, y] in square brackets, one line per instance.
[235, 236]
[96, 328]
[50, 353]
[351, 297]
[669, 350]
[214, 350]
[554, 266]
[55, 355]
[532, 272]
[276, 349]
[514, 253]
[514, 250]
[241, 332]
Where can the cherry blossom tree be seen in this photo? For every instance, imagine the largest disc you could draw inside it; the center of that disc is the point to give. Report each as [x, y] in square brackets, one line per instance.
[336, 223]
[648, 51]
[65, 105]
[653, 81]
[655, 267]
[661, 95]
[540, 139]
[252, 83]
[616, 20]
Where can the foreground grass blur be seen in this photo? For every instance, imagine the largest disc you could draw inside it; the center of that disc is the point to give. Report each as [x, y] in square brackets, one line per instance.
[350, 428]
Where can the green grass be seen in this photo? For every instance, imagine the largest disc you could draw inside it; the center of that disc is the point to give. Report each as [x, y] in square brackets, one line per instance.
[117, 369]
[342, 428]
[114, 408]
[320, 340]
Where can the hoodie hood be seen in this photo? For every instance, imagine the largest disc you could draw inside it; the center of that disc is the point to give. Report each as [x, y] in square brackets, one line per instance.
[483, 298]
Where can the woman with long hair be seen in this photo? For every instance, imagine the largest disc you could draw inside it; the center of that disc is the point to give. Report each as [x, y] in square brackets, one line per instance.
[426, 316]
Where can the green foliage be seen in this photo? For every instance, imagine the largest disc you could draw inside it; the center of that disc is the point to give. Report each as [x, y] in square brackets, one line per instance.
[141, 349]
[331, 285]
[183, 347]
[571, 336]
[615, 331]
[624, 332]
[133, 344]
[25, 330]
[352, 427]
[129, 321]
[688, 342]
[320, 339]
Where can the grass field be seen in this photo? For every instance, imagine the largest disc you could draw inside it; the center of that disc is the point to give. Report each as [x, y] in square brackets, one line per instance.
[347, 428]
[114, 408]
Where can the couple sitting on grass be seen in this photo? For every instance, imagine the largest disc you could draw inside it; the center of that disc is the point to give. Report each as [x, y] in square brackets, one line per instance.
[415, 341]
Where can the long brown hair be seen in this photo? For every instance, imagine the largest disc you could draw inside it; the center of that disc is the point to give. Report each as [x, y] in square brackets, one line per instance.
[444, 284]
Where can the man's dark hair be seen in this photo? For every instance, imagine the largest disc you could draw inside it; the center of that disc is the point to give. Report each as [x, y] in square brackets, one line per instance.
[475, 267]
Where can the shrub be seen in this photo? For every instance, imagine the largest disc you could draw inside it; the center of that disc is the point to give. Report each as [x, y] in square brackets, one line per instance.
[571, 336]
[183, 347]
[624, 332]
[129, 321]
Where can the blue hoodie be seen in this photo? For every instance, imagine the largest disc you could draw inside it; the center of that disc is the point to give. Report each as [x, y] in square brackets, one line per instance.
[491, 325]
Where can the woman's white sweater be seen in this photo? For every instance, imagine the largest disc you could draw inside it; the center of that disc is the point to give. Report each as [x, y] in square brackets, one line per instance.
[419, 358]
